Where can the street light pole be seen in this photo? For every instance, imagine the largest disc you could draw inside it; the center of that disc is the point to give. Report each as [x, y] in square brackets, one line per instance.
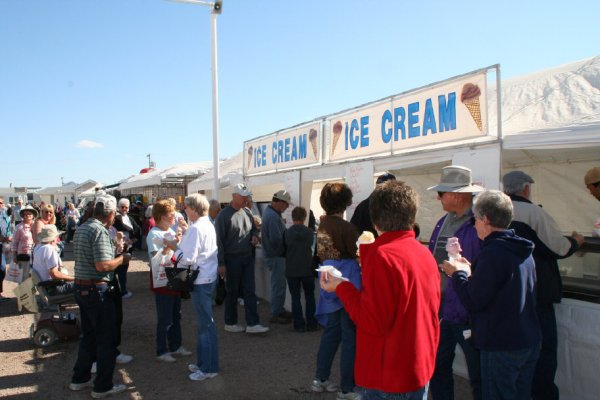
[216, 7]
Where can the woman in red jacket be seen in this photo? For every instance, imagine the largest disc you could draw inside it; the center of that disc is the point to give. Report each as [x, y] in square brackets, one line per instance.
[396, 310]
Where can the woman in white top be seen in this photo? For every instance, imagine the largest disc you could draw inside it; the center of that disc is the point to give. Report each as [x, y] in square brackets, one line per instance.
[198, 248]
[168, 302]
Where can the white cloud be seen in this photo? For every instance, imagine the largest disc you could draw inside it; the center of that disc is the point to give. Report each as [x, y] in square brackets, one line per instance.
[88, 144]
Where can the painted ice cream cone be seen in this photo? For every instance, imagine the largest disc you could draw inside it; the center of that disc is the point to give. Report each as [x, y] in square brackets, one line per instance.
[470, 98]
[250, 152]
[312, 137]
[337, 132]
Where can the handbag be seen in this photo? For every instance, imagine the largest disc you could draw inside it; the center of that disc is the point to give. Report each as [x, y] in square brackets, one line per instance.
[181, 279]
[14, 273]
[23, 257]
[159, 263]
[25, 294]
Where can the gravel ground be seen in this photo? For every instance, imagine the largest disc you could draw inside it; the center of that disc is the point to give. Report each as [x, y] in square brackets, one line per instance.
[276, 365]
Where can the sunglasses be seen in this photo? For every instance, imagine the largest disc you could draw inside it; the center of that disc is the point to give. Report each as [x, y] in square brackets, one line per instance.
[441, 194]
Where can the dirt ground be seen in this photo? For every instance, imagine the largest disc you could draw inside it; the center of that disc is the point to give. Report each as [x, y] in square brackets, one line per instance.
[276, 365]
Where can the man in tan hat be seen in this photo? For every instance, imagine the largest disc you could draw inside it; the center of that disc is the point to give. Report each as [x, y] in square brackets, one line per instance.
[592, 182]
[455, 192]
[47, 263]
[536, 225]
[273, 247]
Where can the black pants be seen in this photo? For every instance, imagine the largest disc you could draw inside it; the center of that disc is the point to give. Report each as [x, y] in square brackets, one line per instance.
[543, 387]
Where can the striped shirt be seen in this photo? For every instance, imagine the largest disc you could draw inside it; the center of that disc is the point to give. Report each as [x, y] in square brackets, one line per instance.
[92, 244]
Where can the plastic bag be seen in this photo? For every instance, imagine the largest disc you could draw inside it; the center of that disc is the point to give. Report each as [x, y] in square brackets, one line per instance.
[158, 263]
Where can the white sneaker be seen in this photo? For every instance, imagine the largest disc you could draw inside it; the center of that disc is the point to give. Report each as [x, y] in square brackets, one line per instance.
[200, 376]
[94, 368]
[193, 367]
[182, 351]
[80, 386]
[115, 389]
[325, 386]
[258, 328]
[348, 396]
[167, 357]
[234, 328]
[124, 358]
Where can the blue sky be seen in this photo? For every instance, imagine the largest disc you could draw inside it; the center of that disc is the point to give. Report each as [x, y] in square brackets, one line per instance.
[89, 88]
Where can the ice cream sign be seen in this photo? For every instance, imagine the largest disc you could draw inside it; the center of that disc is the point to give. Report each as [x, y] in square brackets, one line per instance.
[437, 114]
[291, 148]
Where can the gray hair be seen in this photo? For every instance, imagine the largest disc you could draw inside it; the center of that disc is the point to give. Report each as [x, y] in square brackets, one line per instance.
[123, 202]
[515, 187]
[198, 203]
[494, 205]
[214, 205]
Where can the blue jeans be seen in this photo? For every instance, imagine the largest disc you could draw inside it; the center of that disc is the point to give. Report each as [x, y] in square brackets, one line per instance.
[372, 394]
[543, 387]
[168, 326]
[207, 347]
[339, 329]
[99, 336]
[442, 382]
[277, 267]
[308, 284]
[240, 275]
[507, 375]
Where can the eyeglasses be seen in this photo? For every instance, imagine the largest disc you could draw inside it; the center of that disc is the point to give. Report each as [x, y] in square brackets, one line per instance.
[441, 194]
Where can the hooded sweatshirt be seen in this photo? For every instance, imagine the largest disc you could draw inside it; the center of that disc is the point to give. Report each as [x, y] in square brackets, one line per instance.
[501, 294]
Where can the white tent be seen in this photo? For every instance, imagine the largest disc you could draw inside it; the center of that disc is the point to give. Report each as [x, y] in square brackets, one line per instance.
[230, 171]
[158, 176]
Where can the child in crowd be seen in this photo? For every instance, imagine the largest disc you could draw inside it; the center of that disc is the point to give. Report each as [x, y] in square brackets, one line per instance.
[299, 271]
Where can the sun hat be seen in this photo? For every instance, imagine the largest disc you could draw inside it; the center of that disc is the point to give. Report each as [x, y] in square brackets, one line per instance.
[283, 195]
[242, 190]
[592, 176]
[457, 179]
[30, 209]
[48, 233]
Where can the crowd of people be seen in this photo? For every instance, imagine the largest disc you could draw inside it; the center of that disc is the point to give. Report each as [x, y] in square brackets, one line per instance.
[395, 308]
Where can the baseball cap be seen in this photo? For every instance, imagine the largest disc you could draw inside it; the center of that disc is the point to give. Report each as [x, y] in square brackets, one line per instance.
[242, 190]
[515, 178]
[109, 202]
[283, 195]
[592, 176]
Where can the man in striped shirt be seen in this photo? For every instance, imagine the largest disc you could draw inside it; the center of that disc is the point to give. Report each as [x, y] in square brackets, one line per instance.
[94, 268]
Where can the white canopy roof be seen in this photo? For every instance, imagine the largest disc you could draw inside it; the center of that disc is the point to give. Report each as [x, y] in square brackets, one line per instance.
[157, 176]
[230, 171]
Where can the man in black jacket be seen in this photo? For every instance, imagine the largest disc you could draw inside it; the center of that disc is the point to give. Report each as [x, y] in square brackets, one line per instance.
[533, 223]
[361, 217]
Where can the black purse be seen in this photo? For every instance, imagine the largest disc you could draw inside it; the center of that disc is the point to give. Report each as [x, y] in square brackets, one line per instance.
[181, 279]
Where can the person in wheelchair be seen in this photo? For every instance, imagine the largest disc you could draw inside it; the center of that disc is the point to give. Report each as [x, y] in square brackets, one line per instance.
[47, 263]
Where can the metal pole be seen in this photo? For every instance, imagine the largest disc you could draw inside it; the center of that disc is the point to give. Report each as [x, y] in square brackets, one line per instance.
[215, 105]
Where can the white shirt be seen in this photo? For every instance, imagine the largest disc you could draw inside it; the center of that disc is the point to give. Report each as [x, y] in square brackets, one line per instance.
[45, 257]
[199, 248]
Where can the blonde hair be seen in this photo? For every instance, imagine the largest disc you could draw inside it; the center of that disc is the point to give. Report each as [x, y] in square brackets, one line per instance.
[48, 207]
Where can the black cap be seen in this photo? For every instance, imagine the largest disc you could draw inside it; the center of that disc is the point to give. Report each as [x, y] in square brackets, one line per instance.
[385, 177]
